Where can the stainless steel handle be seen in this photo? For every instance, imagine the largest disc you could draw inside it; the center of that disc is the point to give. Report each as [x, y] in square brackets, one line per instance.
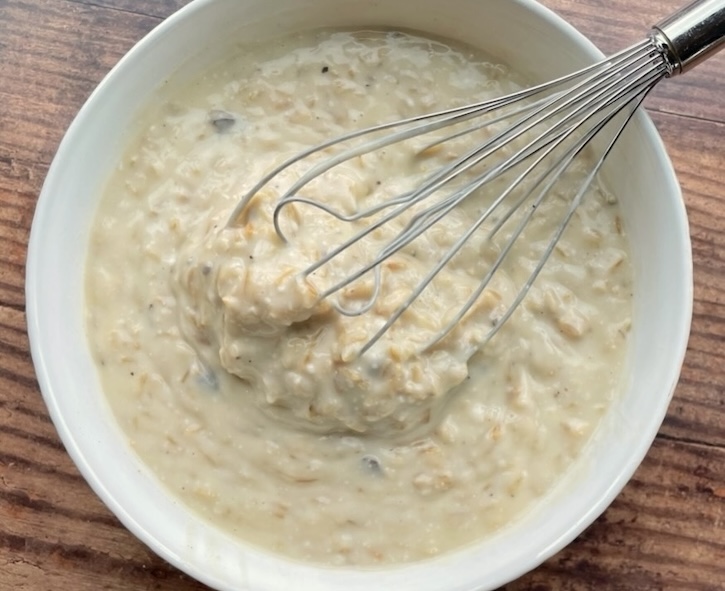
[691, 34]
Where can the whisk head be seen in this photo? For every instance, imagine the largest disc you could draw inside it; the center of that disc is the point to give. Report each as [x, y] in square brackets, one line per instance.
[528, 141]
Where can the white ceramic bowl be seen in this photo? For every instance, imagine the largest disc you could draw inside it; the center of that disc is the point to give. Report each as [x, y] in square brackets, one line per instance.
[519, 32]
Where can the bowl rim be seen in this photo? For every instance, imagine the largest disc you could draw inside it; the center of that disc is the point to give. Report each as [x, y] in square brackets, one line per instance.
[46, 365]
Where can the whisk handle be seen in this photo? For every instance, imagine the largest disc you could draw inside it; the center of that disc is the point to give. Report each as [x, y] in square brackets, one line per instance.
[691, 34]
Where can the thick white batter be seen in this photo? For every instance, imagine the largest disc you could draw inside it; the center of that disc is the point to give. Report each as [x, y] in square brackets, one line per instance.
[245, 393]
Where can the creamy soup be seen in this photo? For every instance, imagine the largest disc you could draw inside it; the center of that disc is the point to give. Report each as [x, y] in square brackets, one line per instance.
[246, 392]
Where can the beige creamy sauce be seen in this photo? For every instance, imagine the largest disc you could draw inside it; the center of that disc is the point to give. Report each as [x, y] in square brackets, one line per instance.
[245, 393]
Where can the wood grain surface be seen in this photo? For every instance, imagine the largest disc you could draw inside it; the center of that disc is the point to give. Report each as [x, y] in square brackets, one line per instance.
[666, 530]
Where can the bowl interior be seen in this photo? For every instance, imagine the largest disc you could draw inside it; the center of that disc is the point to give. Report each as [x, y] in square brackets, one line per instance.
[519, 32]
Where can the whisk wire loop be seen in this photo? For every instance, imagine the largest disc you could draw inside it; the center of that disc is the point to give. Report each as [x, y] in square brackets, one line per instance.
[541, 132]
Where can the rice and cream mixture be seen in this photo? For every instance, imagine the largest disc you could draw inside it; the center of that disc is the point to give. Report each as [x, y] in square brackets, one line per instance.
[245, 392]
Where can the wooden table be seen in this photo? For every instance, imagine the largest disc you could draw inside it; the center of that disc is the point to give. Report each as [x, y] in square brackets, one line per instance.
[665, 531]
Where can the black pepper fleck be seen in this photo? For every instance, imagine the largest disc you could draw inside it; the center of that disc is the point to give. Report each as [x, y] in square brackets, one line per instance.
[325, 69]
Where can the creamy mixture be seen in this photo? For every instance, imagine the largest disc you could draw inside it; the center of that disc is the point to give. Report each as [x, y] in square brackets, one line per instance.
[245, 391]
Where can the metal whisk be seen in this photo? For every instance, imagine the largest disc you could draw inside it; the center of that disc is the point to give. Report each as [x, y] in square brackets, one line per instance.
[562, 116]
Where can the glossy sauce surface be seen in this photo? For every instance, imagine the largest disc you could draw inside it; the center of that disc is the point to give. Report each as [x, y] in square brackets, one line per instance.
[244, 393]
